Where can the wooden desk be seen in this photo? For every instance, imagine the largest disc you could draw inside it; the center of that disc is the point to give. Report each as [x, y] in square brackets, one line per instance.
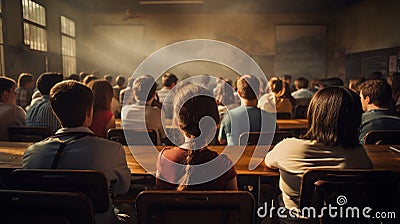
[290, 124]
[381, 156]
[283, 124]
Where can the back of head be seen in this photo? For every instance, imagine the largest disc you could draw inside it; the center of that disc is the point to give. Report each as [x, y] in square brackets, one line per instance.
[89, 78]
[102, 93]
[287, 78]
[379, 92]
[120, 80]
[6, 84]
[191, 104]
[355, 84]
[301, 83]
[169, 79]
[224, 93]
[47, 80]
[74, 77]
[109, 78]
[334, 117]
[144, 88]
[24, 78]
[248, 87]
[82, 76]
[375, 76]
[278, 87]
[71, 101]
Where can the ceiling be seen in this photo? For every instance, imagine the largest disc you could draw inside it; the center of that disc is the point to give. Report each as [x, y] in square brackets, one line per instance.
[213, 6]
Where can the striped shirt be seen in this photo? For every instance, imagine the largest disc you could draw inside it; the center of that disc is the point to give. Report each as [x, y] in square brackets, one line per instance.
[41, 114]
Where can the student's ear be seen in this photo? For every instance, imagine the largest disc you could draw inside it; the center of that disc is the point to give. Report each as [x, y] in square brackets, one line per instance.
[368, 100]
[240, 93]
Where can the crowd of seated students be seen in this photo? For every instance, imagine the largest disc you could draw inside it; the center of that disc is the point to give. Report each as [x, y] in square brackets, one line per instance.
[336, 120]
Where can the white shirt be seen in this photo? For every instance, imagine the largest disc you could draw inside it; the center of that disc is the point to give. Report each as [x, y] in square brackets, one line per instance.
[294, 156]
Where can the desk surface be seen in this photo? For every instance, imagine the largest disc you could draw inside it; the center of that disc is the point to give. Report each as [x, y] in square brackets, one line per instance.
[284, 124]
[382, 157]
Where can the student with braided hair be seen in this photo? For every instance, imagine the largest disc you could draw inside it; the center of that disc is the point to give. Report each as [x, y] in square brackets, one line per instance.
[184, 167]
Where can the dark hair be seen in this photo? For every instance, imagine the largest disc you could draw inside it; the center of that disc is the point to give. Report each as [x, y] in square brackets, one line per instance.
[120, 80]
[70, 101]
[355, 84]
[286, 77]
[302, 83]
[144, 88]
[334, 117]
[74, 77]
[191, 104]
[24, 78]
[47, 80]
[89, 78]
[6, 84]
[168, 79]
[82, 76]
[375, 76]
[102, 94]
[378, 91]
[109, 78]
[248, 86]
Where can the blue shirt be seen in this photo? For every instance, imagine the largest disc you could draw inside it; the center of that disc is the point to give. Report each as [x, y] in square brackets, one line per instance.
[245, 119]
[41, 114]
[382, 119]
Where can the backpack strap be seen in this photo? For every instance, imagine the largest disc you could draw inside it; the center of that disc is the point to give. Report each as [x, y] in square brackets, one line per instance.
[63, 144]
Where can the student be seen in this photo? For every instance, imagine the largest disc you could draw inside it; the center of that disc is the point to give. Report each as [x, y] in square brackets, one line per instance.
[25, 89]
[175, 166]
[142, 115]
[331, 141]
[72, 103]
[302, 91]
[103, 118]
[376, 96]
[246, 118]
[281, 100]
[169, 81]
[10, 113]
[40, 112]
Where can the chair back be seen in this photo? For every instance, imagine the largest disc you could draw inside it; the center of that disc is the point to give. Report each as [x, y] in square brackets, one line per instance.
[348, 189]
[383, 137]
[133, 136]
[263, 138]
[283, 115]
[195, 207]
[300, 111]
[89, 182]
[28, 133]
[34, 207]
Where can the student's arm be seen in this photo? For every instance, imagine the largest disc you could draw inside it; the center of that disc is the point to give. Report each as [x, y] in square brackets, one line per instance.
[110, 124]
[123, 175]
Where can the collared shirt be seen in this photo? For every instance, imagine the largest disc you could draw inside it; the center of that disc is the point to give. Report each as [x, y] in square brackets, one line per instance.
[382, 119]
[303, 94]
[143, 116]
[87, 153]
[245, 119]
[41, 114]
[22, 97]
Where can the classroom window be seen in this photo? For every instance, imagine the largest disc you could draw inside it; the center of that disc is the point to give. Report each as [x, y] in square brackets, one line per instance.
[2, 68]
[34, 25]
[68, 45]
